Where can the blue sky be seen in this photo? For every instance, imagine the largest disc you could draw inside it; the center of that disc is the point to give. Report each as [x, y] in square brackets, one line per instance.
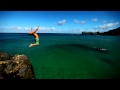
[58, 21]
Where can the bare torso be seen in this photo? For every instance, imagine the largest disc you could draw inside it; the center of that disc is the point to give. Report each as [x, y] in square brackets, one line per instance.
[35, 35]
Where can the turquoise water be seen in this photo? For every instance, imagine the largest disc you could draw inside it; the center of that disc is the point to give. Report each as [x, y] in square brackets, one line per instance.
[62, 56]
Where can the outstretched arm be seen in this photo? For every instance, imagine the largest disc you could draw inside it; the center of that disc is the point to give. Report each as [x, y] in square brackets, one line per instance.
[36, 30]
[31, 29]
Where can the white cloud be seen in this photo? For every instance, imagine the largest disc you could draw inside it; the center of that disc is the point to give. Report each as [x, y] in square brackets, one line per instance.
[61, 22]
[82, 22]
[46, 28]
[26, 28]
[106, 27]
[110, 24]
[94, 19]
[52, 28]
[76, 21]
[19, 28]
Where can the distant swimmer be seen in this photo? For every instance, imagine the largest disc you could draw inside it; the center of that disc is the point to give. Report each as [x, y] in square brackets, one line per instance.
[36, 37]
[100, 49]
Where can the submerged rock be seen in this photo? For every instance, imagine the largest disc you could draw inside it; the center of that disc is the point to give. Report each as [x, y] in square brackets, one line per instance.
[15, 67]
[100, 49]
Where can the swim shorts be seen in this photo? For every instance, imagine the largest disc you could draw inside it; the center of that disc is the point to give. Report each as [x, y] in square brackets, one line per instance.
[37, 41]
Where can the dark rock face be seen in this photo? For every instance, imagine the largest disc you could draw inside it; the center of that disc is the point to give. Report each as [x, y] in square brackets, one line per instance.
[15, 67]
[4, 56]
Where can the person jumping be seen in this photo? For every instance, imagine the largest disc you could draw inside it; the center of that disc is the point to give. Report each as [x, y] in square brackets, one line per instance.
[33, 33]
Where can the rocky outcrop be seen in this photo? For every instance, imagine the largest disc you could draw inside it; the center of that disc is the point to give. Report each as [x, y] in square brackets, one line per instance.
[15, 67]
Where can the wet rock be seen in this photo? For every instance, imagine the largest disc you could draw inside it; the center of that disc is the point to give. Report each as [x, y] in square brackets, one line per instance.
[15, 67]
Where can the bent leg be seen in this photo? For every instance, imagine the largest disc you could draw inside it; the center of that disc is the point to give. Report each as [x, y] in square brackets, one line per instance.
[36, 42]
[33, 45]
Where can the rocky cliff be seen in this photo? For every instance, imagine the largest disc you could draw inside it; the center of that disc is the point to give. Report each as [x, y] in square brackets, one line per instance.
[15, 67]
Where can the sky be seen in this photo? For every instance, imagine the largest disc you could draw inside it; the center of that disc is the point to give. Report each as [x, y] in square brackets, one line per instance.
[58, 21]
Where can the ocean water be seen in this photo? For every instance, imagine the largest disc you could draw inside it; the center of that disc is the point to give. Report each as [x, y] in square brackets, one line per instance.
[62, 56]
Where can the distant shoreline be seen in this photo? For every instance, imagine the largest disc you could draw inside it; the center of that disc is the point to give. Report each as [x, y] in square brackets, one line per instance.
[114, 32]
